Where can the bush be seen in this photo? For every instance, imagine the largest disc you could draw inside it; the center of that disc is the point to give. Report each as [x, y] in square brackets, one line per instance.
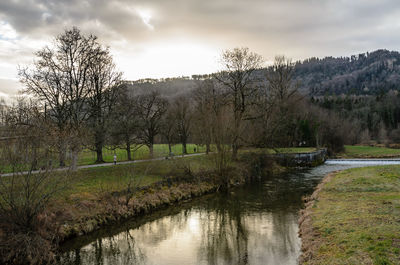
[27, 233]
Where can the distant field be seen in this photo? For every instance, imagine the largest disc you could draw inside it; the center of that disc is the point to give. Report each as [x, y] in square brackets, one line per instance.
[369, 152]
[356, 218]
[88, 157]
[281, 150]
[296, 150]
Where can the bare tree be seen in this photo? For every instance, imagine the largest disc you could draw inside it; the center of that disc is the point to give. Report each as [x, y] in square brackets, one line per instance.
[104, 83]
[278, 106]
[183, 118]
[280, 79]
[221, 122]
[204, 97]
[26, 145]
[3, 111]
[60, 80]
[214, 119]
[150, 108]
[131, 181]
[21, 119]
[284, 99]
[169, 130]
[125, 123]
[238, 79]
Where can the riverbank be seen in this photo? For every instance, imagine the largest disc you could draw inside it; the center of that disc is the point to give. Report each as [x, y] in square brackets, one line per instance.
[353, 218]
[167, 182]
[99, 197]
[178, 180]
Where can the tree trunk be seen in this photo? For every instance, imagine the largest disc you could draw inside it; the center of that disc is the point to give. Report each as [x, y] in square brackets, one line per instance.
[207, 148]
[35, 160]
[169, 148]
[235, 150]
[151, 149]
[99, 140]
[74, 162]
[236, 136]
[99, 153]
[61, 154]
[128, 150]
[184, 149]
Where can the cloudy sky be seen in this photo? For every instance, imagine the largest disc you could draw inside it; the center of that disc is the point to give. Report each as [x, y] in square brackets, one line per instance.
[165, 38]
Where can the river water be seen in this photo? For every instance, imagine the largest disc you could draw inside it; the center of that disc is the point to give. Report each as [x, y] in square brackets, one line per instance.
[253, 224]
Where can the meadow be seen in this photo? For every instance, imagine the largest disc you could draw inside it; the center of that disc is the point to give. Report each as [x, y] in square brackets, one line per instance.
[355, 218]
[358, 151]
[88, 157]
[115, 178]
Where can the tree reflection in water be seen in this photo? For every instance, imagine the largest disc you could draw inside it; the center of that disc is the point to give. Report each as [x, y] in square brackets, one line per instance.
[240, 229]
[255, 224]
[118, 249]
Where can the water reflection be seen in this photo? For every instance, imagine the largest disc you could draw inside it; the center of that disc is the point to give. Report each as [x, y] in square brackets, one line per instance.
[118, 249]
[254, 224]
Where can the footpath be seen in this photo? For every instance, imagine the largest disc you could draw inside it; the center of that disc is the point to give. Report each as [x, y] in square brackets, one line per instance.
[105, 164]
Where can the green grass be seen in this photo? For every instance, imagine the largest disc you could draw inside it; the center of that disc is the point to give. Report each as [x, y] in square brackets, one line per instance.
[353, 151]
[93, 184]
[87, 183]
[286, 150]
[358, 216]
[290, 150]
[88, 157]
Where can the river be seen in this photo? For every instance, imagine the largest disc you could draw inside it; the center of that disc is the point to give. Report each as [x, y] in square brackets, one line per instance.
[253, 224]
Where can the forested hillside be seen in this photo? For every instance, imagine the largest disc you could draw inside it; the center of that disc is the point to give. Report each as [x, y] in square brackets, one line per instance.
[369, 73]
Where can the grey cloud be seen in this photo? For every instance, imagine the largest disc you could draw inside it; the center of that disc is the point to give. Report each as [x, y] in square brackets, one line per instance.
[300, 28]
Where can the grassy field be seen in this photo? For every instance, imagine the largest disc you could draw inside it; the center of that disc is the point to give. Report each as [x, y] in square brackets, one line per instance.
[286, 150]
[290, 150]
[88, 157]
[357, 214]
[88, 183]
[353, 151]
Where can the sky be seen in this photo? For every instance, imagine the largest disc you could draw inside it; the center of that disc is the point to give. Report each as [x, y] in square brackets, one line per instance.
[168, 38]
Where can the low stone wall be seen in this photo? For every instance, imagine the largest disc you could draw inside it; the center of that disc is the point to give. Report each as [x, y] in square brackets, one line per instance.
[302, 159]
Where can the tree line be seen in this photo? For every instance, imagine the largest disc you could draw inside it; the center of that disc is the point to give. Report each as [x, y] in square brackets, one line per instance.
[77, 94]
[375, 118]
